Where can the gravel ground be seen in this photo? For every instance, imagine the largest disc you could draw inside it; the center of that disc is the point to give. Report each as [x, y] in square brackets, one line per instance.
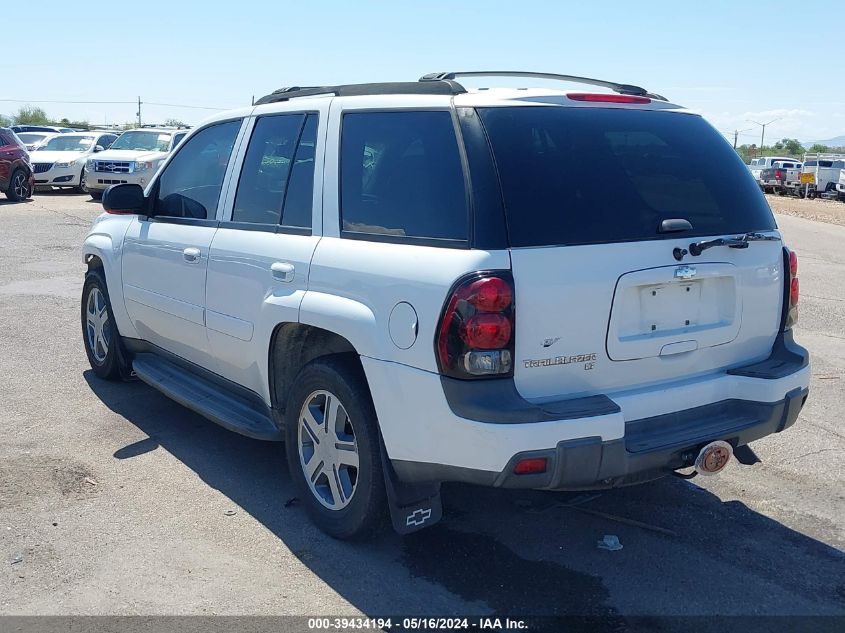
[830, 211]
[116, 500]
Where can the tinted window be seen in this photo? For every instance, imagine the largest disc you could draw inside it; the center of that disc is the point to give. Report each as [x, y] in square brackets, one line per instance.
[190, 185]
[264, 175]
[401, 175]
[595, 175]
[300, 191]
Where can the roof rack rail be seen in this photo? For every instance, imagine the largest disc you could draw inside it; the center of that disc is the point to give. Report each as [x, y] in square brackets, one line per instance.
[625, 89]
[348, 90]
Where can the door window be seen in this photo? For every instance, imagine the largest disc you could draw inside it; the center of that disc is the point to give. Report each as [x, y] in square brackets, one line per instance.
[190, 185]
[266, 168]
[300, 190]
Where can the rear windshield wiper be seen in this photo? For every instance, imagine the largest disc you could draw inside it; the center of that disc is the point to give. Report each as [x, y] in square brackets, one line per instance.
[740, 241]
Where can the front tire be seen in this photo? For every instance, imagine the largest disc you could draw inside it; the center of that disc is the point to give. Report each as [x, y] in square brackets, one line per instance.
[95, 195]
[99, 333]
[81, 188]
[19, 188]
[333, 450]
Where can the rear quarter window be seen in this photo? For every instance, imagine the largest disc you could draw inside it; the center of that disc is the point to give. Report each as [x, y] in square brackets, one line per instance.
[401, 177]
[598, 175]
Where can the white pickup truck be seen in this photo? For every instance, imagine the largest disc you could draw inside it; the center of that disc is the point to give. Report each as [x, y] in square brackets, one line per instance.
[821, 175]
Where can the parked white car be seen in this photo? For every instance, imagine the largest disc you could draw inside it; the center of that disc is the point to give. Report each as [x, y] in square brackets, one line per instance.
[396, 280]
[133, 158]
[31, 140]
[59, 161]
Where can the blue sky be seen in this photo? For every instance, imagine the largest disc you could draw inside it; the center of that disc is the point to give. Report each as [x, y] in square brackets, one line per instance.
[732, 61]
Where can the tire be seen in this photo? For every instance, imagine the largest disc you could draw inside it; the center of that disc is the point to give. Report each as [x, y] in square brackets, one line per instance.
[345, 502]
[95, 195]
[19, 187]
[81, 188]
[103, 354]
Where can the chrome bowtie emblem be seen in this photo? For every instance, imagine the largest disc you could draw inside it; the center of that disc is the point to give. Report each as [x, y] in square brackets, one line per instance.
[418, 516]
[685, 272]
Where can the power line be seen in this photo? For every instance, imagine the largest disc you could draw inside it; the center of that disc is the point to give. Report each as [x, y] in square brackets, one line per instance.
[166, 105]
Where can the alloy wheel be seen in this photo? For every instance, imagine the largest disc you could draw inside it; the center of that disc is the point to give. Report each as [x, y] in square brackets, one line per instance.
[98, 326]
[328, 450]
[20, 186]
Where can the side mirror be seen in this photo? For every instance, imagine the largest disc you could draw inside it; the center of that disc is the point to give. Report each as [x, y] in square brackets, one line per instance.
[98, 148]
[127, 198]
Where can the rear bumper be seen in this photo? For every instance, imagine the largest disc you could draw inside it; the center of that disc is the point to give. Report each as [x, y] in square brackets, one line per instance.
[651, 448]
[437, 430]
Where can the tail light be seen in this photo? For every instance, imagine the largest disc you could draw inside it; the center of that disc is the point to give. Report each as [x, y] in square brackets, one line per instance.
[791, 289]
[778, 175]
[475, 337]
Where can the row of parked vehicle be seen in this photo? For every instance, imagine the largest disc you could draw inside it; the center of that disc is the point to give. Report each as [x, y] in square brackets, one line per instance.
[44, 157]
[817, 176]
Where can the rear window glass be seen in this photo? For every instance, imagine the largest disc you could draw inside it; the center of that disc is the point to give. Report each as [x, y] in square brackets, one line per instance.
[597, 175]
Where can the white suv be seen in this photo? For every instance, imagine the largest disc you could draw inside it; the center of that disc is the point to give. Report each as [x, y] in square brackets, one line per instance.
[413, 283]
[132, 158]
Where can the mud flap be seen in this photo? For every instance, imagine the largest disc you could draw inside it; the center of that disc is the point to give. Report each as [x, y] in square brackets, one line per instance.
[412, 506]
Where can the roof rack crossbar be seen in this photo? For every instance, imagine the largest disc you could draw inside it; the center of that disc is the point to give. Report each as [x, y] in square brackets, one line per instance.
[625, 89]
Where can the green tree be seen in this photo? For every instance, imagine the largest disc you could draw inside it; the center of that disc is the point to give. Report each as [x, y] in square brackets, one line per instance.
[174, 123]
[818, 148]
[5, 121]
[31, 115]
[791, 146]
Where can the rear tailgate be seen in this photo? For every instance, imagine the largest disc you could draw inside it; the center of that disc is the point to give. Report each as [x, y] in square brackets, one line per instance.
[598, 319]
[603, 303]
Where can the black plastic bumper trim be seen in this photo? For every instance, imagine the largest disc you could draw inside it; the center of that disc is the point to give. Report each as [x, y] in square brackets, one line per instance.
[498, 402]
[652, 448]
[786, 358]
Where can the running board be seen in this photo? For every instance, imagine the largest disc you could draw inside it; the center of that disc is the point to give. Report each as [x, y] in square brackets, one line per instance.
[211, 400]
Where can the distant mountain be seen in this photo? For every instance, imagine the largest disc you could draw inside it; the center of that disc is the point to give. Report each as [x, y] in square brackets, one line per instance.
[837, 141]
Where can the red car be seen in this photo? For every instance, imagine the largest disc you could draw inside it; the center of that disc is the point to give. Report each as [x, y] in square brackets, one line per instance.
[16, 179]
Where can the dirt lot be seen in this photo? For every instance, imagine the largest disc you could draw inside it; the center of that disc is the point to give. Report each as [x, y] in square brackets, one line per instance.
[831, 211]
[116, 500]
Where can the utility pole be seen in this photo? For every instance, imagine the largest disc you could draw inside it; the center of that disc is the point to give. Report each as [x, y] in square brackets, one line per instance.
[737, 133]
[139, 111]
[763, 133]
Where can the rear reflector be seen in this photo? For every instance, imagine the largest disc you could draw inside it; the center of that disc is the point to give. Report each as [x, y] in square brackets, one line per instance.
[530, 466]
[606, 98]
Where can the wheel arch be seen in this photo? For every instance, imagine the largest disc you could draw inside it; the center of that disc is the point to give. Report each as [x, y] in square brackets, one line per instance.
[98, 253]
[294, 345]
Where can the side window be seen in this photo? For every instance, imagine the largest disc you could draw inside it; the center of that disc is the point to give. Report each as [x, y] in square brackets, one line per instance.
[300, 192]
[105, 141]
[190, 185]
[401, 175]
[264, 175]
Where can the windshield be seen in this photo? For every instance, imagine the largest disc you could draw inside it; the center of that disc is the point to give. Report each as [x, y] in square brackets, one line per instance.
[599, 175]
[67, 143]
[32, 137]
[144, 141]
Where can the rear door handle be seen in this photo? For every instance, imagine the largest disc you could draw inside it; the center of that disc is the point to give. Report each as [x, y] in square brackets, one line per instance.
[191, 255]
[283, 271]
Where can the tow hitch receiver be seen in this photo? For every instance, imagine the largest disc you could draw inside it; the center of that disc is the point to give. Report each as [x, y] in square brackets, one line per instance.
[713, 457]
